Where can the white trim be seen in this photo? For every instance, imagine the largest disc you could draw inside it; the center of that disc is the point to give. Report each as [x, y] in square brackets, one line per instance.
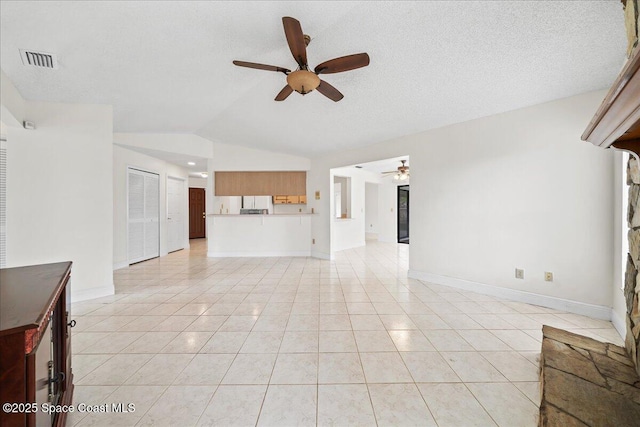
[93, 293]
[619, 324]
[321, 255]
[259, 254]
[590, 310]
[120, 265]
[357, 245]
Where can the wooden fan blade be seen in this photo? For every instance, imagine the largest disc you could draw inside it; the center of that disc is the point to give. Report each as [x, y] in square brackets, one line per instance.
[344, 63]
[329, 91]
[261, 66]
[295, 39]
[389, 172]
[284, 93]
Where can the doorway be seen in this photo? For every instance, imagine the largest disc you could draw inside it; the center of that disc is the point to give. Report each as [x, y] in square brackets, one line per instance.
[197, 213]
[403, 214]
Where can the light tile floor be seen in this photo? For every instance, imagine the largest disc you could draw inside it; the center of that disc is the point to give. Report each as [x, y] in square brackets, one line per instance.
[192, 340]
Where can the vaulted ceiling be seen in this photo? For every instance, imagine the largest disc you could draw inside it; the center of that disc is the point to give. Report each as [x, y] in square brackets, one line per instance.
[167, 66]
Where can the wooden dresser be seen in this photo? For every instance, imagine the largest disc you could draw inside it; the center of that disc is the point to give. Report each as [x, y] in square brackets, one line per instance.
[35, 344]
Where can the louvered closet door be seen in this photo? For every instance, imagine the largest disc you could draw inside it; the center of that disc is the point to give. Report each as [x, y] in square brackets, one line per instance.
[143, 215]
[3, 203]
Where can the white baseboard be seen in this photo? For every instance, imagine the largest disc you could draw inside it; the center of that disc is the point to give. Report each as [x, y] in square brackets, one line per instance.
[259, 254]
[321, 255]
[357, 245]
[590, 310]
[120, 265]
[619, 324]
[384, 240]
[86, 294]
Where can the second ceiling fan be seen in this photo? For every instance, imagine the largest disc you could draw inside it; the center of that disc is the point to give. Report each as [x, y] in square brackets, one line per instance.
[303, 80]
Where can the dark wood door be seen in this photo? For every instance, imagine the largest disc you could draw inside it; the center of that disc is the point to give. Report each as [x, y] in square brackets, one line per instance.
[196, 213]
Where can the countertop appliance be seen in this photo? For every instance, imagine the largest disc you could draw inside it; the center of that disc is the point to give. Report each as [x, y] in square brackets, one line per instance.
[254, 211]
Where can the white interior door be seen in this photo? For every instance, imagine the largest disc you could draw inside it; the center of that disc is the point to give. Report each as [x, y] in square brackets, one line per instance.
[175, 216]
[143, 195]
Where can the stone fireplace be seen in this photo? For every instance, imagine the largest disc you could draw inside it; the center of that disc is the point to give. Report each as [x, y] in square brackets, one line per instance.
[632, 274]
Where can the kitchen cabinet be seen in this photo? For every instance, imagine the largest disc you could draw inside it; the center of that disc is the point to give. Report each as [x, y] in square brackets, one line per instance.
[265, 183]
[291, 200]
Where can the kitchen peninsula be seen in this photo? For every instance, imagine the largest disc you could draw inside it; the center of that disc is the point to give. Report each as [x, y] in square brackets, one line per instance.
[259, 235]
[259, 214]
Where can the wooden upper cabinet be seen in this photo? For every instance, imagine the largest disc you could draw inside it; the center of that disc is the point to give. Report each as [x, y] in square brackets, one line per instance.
[266, 183]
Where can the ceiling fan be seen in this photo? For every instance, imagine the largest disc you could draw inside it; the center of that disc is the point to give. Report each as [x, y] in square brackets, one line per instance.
[401, 174]
[302, 80]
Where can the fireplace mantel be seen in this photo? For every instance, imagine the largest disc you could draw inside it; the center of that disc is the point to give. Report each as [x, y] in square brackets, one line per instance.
[617, 121]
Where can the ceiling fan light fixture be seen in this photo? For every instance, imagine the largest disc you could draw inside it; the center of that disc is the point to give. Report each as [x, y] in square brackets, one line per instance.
[303, 81]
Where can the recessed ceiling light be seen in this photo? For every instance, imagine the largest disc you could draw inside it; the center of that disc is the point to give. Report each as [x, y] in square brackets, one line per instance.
[191, 163]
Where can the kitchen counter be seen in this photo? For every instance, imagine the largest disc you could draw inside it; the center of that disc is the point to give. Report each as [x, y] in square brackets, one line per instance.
[252, 215]
[258, 235]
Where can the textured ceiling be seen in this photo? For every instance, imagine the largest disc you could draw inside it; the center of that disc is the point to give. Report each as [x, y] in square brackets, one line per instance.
[166, 66]
[385, 165]
[181, 160]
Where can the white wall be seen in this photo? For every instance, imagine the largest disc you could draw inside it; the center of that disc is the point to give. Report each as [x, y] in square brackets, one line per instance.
[197, 182]
[518, 189]
[228, 157]
[371, 207]
[122, 159]
[13, 108]
[291, 208]
[387, 215]
[59, 193]
[181, 143]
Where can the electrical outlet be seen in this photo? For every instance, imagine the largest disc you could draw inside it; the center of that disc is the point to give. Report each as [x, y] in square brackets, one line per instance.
[548, 276]
[519, 273]
[313, 241]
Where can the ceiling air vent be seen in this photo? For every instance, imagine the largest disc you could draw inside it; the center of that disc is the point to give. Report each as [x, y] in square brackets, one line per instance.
[32, 58]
